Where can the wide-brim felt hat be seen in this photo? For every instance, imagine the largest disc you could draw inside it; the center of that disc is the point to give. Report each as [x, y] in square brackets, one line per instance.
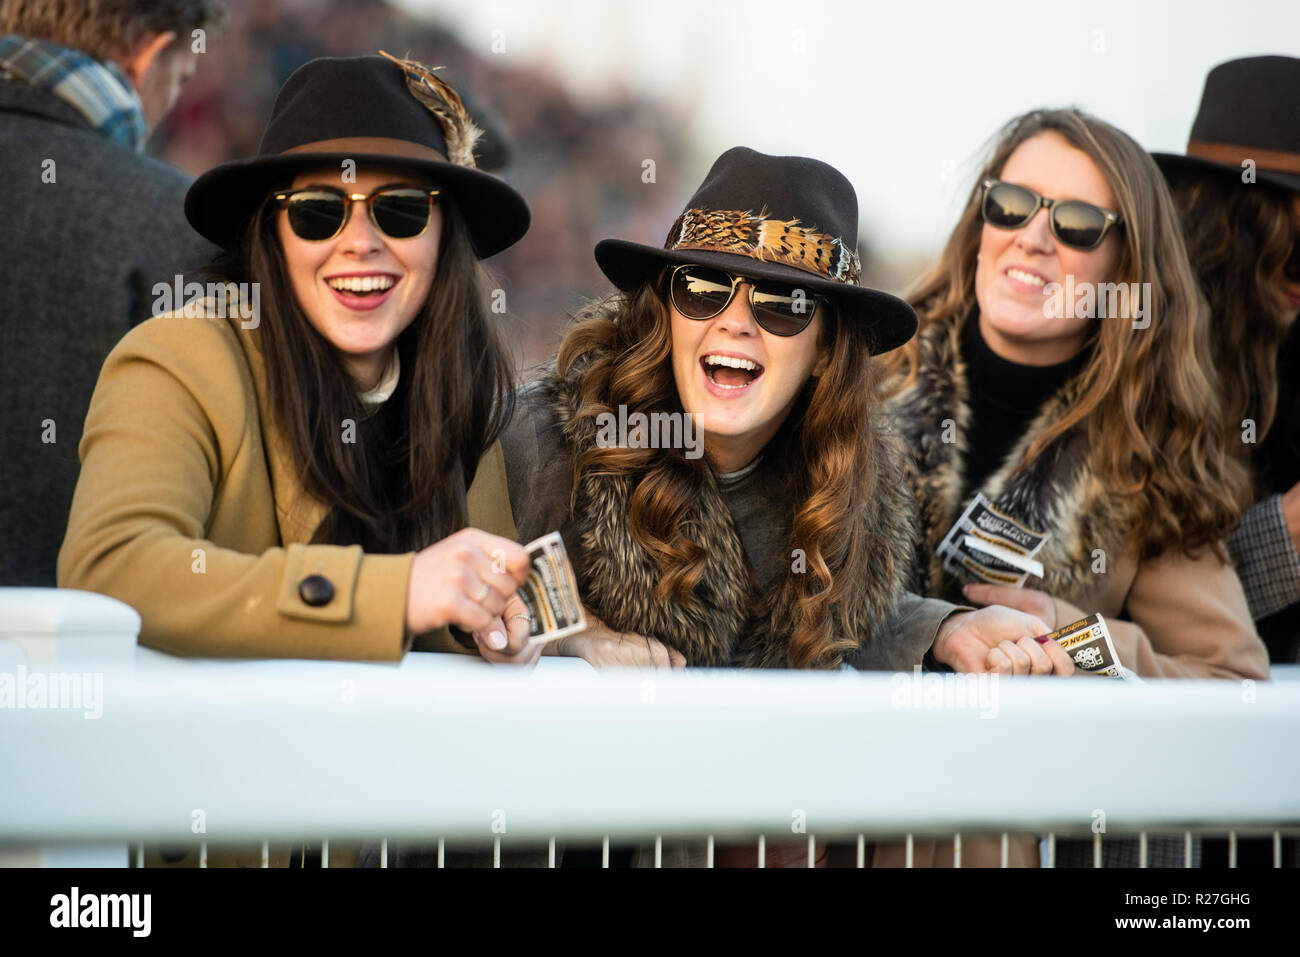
[785, 218]
[1249, 110]
[361, 109]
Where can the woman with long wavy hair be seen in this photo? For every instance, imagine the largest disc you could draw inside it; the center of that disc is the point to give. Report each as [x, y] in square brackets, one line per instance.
[281, 468]
[1238, 191]
[708, 443]
[1061, 370]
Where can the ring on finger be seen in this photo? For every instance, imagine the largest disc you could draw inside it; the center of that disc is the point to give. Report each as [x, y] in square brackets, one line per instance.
[486, 591]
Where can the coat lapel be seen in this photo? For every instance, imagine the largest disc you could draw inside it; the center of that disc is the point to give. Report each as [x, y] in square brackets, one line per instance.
[297, 513]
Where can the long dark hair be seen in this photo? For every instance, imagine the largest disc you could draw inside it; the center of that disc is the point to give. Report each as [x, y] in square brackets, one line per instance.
[398, 482]
[1238, 237]
[624, 345]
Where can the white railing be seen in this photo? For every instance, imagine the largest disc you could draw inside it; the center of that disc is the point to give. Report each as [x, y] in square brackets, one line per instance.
[447, 748]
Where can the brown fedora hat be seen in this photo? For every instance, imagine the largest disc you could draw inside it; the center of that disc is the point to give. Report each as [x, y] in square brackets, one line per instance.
[1250, 110]
[787, 218]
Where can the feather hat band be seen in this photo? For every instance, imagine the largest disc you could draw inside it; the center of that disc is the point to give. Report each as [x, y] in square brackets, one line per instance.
[377, 111]
[786, 218]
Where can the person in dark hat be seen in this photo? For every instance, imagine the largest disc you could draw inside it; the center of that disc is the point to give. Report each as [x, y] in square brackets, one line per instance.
[1238, 191]
[286, 464]
[707, 441]
[1237, 188]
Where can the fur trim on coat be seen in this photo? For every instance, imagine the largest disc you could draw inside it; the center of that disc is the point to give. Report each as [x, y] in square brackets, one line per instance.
[729, 620]
[1058, 493]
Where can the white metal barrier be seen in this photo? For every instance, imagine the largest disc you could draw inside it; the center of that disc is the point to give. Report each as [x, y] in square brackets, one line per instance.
[448, 748]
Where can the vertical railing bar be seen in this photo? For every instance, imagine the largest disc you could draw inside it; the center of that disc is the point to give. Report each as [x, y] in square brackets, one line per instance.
[604, 852]
[1006, 850]
[383, 852]
[441, 858]
[203, 853]
[762, 850]
[1096, 850]
[910, 858]
[1232, 848]
[659, 850]
[708, 852]
[266, 853]
[550, 852]
[862, 850]
[1187, 848]
[1051, 849]
[1143, 850]
[1277, 848]
[325, 853]
[812, 851]
[496, 852]
[956, 849]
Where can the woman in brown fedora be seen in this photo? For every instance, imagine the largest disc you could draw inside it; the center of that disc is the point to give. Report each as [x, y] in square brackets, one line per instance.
[1238, 191]
[1099, 427]
[250, 479]
[708, 442]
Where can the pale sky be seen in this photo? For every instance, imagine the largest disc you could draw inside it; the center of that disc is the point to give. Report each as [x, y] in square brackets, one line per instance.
[900, 96]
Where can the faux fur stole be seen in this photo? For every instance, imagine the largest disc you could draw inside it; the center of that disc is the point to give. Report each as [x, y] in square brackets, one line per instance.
[1058, 492]
[728, 620]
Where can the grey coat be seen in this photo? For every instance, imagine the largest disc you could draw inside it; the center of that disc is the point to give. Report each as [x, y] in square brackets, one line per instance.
[81, 255]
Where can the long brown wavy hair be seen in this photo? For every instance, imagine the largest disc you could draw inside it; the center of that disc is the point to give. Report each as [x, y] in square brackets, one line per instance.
[1151, 400]
[622, 347]
[1238, 237]
[400, 486]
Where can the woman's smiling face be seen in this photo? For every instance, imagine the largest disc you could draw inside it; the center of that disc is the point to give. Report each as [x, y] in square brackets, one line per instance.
[361, 288]
[1014, 265]
[739, 380]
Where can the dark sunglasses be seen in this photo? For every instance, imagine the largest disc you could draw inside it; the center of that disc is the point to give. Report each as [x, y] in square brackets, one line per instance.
[1076, 224]
[320, 212]
[702, 292]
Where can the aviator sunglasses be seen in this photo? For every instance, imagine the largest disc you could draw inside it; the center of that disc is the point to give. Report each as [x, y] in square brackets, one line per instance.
[781, 308]
[320, 212]
[1074, 223]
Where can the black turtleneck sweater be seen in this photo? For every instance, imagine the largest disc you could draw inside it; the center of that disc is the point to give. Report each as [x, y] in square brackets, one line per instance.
[1005, 397]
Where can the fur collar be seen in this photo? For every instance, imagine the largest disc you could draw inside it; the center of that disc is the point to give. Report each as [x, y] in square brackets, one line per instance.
[729, 620]
[1058, 493]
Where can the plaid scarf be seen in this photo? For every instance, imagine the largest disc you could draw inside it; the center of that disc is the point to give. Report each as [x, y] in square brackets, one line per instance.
[98, 91]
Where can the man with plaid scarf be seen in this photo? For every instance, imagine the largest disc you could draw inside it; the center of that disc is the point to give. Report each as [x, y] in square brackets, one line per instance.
[90, 225]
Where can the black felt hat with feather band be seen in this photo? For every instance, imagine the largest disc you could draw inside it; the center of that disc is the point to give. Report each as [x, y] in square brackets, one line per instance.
[787, 218]
[376, 111]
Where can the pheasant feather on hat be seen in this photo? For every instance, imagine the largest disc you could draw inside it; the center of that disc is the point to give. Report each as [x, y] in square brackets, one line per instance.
[458, 129]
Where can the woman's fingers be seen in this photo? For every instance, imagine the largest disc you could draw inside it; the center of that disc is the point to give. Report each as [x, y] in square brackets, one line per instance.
[1039, 663]
[996, 661]
[1020, 663]
[519, 627]
[497, 644]
[1062, 663]
[657, 652]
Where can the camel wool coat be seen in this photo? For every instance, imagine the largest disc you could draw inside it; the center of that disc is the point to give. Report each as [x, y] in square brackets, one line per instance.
[188, 509]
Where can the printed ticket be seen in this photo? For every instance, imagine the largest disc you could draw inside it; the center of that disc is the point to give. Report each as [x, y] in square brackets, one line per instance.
[990, 546]
[551, 592]
[1088, 643]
